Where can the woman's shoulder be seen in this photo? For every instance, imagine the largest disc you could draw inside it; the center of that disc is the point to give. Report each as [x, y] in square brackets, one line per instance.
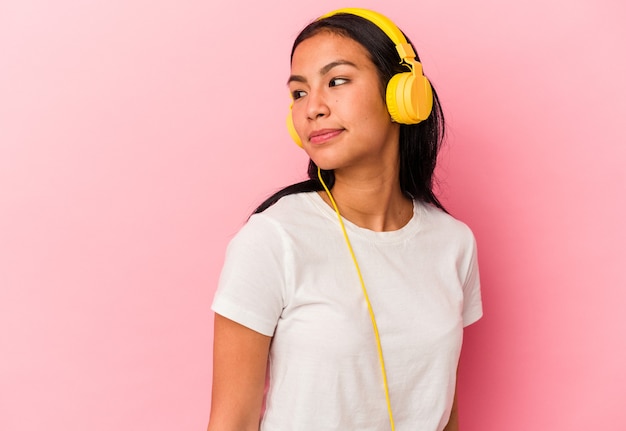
[289, 214]
[286, 210]
[437, 220]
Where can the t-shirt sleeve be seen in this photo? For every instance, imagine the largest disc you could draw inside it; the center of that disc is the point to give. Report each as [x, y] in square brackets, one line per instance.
[252, 282]
[472, 301]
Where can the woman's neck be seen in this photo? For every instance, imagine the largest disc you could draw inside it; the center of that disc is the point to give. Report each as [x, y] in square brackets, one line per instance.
[371, 201]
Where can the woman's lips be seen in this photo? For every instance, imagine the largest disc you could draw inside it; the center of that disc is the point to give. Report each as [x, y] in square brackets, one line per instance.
[324, 135]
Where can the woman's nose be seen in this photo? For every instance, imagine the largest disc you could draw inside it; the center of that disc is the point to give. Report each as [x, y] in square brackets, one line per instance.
[317, 106]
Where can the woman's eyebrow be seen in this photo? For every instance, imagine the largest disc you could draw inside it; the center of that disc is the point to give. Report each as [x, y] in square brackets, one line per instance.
[323, 71]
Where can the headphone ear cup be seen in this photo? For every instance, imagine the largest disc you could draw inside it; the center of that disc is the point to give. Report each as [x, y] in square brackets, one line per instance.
[409, 98]
[422, 97]
[292, 129]
[395, 98]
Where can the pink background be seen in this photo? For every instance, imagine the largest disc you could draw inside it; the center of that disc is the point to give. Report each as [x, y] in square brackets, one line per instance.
[136, 136]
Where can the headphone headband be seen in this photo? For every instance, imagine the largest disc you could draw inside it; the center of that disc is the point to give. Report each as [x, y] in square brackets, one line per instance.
[404, 48]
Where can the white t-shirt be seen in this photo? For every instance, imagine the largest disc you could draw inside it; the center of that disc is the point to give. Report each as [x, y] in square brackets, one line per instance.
[288, 274]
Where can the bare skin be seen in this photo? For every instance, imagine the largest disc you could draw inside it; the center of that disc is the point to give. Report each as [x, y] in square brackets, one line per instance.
[239, 366]
[453, 422]
[338, 90]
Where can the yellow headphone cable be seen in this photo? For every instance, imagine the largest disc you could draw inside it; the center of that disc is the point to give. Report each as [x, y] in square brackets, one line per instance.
[367, 299]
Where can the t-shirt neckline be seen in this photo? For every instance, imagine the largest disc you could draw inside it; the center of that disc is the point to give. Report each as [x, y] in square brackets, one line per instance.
[409, 229]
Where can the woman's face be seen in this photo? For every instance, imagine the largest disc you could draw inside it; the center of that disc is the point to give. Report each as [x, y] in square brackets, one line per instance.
[338, 110]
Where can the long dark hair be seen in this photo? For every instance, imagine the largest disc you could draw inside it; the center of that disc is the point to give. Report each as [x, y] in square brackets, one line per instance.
[419, 143]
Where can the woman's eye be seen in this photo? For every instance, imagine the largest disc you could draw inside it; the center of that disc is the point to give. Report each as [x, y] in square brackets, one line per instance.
[297, 94]
[337, 81]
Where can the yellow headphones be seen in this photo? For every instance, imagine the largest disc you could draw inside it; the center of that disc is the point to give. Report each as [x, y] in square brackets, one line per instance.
[409, 95]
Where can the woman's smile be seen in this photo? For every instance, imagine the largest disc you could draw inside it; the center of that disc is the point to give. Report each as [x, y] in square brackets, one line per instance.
[322, 136]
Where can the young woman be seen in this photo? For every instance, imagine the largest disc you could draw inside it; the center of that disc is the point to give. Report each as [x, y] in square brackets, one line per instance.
[354, 322]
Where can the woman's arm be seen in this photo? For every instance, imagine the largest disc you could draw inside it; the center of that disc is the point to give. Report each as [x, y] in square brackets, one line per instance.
[239, 367]
[453, 422]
